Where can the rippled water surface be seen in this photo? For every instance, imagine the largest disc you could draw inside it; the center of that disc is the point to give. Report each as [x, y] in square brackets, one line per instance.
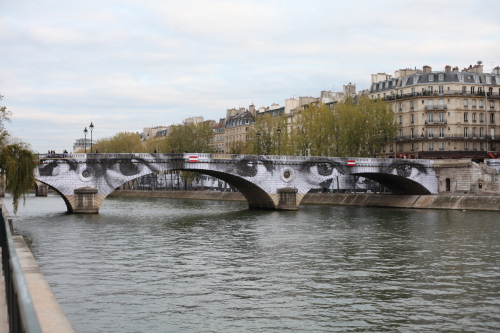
[160, 265]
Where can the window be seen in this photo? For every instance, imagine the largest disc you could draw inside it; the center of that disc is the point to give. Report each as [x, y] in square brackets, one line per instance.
[466, 116]
[473, 132]
[464, 89]
[412, 118]
[441, 89]
[412, 133]
[474, 103]
[460, 77]
[492, 105]
[466, 103]
[400, 106]
[430, 132]
[441, 146]
[481, 132]
[430, 104]
[431, 89]
[488, 79]
[431, 145]
[441, 132]
[472, 90]
[430, 118]
[476, 78]
[474, 145]
[412, 105]
[466, 132]
[441, 117]
[431, 77]
[481, 117]
[404, 81]
[413, 91]
[401, 120]
[415, 79]
[466, 146]
[481, 104]
[441, 77]
[492, 118]
[400, 133]
[474, 119]
[441, 103]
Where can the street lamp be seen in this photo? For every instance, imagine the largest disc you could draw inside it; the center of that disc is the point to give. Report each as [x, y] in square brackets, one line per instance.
[85, 139]
[258, 143]
[91, 129]
[279, 142]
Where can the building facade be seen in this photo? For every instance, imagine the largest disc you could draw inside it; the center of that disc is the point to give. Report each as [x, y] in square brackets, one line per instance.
[448, 113]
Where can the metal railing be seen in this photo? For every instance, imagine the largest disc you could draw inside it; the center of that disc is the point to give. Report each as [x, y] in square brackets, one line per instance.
[22, 316]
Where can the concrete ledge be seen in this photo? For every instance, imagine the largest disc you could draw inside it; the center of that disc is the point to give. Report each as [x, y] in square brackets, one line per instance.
[50, 314]
[437, 201]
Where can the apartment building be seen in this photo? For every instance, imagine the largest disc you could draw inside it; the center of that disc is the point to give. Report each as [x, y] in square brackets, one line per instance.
[447, 113]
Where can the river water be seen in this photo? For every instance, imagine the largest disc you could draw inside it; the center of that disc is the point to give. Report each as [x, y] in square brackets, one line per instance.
[163, 265]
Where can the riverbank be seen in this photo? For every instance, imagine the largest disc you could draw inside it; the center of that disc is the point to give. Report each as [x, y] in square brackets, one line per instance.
[435, 201]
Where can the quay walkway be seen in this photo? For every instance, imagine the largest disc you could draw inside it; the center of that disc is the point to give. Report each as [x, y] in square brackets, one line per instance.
[34, 307]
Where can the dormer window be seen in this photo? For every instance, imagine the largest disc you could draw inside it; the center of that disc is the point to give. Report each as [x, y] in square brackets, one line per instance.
[415, 79]
[441, 77]
[404, 81]
[488, 79]
[460, 77]
[431, 77]
[476, 78]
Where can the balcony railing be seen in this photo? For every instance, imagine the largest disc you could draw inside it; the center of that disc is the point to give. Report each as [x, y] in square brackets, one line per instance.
[438, 94]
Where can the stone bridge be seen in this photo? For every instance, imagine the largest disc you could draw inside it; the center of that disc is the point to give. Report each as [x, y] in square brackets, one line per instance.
[267, 182]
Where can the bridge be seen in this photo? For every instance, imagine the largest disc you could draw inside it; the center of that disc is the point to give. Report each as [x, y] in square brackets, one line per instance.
[267, 182]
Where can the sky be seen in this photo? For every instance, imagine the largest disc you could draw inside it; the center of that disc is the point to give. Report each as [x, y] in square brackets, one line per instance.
[128, 64]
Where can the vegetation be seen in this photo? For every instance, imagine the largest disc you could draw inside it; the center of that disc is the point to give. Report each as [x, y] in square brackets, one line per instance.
[352, 128]
[17, 163]
[186, 137]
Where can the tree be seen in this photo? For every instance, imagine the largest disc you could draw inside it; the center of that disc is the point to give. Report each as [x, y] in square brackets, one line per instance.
[122, 142]
[17, 163]
[267, 140]
[190, 137]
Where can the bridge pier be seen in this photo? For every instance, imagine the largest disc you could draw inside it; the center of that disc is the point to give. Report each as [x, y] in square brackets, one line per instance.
[41, 190]
[86, 201]
[287, 199]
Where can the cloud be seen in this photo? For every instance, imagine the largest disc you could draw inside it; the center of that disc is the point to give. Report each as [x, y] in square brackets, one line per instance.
[129, 64]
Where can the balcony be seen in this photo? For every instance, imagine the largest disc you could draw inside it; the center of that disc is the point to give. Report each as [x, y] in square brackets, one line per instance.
[436, 122]
[436, 107]
[452, 93]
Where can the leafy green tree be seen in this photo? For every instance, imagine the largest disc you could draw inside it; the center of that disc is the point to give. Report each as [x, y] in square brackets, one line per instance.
[267, 140]
[17, 163]
[122, 142]
[190, 137]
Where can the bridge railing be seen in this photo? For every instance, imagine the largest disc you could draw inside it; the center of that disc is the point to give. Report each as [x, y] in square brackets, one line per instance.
[208, 156]
[22, 316]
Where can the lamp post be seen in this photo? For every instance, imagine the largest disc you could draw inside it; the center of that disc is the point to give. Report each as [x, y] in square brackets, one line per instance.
[85, 139]
[91, 129]
[258, 143]
[422, 136]
[279, 141]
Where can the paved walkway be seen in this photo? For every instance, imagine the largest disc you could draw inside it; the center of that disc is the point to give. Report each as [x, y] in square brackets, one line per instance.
[4, 321]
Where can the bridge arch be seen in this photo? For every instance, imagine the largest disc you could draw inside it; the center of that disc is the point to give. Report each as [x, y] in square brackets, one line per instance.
[396, 184]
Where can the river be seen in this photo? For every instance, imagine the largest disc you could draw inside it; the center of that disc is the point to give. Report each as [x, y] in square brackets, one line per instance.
[164, 265]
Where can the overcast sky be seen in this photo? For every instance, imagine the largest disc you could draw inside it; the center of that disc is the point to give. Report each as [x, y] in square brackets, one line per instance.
[129, 64]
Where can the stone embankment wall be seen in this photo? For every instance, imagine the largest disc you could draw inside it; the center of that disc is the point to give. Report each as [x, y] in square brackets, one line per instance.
[438, 201]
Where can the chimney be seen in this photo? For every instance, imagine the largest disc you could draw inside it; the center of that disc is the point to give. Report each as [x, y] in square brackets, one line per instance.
[447, 68]
[427, 69]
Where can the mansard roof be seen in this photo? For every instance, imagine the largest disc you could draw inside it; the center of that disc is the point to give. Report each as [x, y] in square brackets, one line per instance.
[436, 78]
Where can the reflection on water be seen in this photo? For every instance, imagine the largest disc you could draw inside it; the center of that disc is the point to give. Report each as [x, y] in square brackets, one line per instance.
[160, 265]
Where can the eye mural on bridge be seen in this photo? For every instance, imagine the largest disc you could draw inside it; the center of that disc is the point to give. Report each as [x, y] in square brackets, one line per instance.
[260, 179]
